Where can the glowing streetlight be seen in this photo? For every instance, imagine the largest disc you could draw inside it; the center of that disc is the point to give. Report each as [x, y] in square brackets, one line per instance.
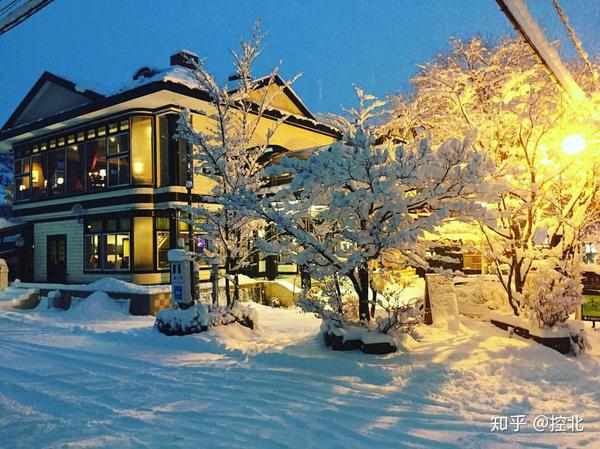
[573, 144]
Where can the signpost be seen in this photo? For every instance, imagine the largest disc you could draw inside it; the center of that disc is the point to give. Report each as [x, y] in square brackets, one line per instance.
[590, 309]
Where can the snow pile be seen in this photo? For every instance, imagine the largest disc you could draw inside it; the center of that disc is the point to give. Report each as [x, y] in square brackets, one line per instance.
[97, 307]
[109, 284]
[200, 317]
[478, 294]
[16, 295]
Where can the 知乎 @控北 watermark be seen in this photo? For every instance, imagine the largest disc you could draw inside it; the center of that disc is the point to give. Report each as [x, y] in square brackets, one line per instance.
[539, 423]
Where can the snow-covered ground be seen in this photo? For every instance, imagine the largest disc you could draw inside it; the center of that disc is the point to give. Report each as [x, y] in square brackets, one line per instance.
[95, 377]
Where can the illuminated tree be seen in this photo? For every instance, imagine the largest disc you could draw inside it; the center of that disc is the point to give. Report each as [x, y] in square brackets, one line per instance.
[521, 119]
[365, 195]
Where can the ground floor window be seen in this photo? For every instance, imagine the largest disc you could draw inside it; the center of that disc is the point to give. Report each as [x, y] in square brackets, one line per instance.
[107, 245]
[163, 242]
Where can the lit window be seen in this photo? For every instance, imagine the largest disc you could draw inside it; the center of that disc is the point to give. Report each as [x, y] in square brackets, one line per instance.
[163, 242]
[92, 252]
[141, 151]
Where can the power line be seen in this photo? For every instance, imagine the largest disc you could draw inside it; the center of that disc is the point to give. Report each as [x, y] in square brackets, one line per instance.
[17, 11]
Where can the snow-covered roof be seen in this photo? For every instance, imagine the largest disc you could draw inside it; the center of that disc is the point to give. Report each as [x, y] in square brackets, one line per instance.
[175, 74]
[6, 223]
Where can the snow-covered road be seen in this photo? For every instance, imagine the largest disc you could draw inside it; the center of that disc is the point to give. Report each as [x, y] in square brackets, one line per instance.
[111, 381]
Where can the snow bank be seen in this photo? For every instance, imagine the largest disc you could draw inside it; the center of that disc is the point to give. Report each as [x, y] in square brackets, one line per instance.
[106, 284]
[98, 307]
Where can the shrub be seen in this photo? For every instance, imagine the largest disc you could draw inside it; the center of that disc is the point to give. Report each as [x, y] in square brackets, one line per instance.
[201, 317]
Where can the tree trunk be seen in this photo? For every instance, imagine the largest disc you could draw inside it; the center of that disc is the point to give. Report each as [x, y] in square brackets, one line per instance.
[374, 302]
[305, 280]
[363, 292]
[236, 287]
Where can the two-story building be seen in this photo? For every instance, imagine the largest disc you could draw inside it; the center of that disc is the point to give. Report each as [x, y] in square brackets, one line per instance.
[99, 178]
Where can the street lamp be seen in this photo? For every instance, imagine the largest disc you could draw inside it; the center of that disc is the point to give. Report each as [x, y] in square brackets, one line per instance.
[573, 144]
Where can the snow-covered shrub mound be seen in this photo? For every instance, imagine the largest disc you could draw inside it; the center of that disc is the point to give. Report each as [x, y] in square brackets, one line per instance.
[200, 318]
[550, 296]
[98, 307]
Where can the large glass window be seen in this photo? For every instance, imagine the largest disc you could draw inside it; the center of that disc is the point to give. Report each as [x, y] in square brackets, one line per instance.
[75, 180]
[92, 160]
[56, 172]
[141, 151]
[107, 244]
[95, 159]
[118, 158]
[39, 173]
[143, 243]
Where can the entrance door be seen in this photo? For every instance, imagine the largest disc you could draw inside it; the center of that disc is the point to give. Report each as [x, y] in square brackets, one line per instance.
[57, 258]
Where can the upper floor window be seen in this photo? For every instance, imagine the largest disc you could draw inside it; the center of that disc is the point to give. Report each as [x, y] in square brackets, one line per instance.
[89, 160]
[22, 179]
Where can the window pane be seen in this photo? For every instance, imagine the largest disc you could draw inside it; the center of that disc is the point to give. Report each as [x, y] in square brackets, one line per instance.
[22, 187]
[56, 172]
[124, 224]
[123, 252]
[96, 164]
[143, 243]
[163, 244]
[118, 144]
[111, 225]
[141, 150]
[93, 226]
[123, 170]
[118, 171]
[162, 223]
[92, 252]
[39, 173]
[109, 252]
[75, 168]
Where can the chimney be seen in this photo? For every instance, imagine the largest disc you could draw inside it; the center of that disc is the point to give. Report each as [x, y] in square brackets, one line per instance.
[184, 58]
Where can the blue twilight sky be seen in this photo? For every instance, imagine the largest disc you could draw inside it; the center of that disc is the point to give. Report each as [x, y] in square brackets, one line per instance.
[334, 43]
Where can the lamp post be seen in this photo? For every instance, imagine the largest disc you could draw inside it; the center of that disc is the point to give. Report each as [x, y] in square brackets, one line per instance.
[191, 247]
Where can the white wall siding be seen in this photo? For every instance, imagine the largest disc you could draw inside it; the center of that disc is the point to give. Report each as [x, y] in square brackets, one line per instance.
[74, 232]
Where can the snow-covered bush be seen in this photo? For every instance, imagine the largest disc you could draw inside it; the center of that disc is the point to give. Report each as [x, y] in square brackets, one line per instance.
[332, 301]
[201, 317]
[399, 314]
[551, 296]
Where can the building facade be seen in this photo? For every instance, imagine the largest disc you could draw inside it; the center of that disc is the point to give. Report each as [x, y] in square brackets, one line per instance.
[100, 178]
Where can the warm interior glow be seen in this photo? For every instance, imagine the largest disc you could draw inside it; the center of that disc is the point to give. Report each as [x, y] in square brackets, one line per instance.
[573, 144]
[138, 168]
